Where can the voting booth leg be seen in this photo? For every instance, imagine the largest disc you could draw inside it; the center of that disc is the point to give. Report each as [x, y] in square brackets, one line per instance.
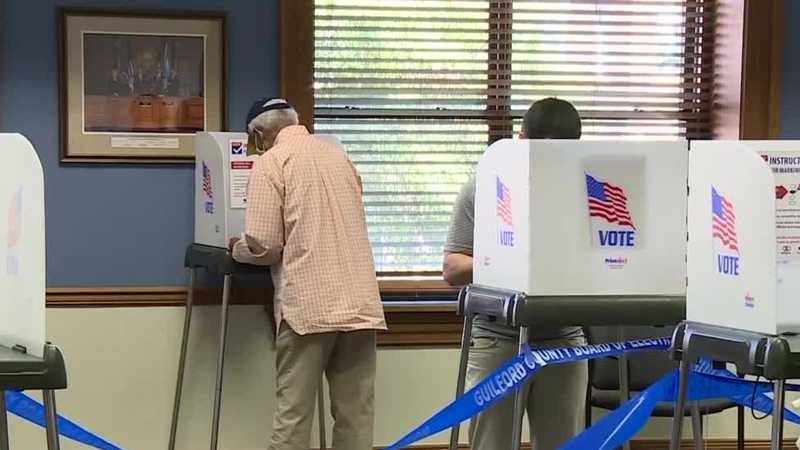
[223, 331]
[697, 427]
[3, 422]
[740, 427]
[50, 415]
[466, 342]
[680, 406]
[187, 320]
[519, 398]
[777, 414]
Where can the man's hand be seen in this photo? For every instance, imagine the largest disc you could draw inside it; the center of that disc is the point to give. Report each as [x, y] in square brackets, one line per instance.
[457, 269]
[232, 242]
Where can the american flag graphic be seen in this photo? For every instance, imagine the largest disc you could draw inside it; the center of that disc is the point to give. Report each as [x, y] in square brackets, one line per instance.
[15, 219]
[504, 203]
[723, 221]
[207, 181]
[608, 202]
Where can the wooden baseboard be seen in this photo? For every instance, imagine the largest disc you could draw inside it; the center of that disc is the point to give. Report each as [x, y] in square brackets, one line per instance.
[656, 444]
[710, 444]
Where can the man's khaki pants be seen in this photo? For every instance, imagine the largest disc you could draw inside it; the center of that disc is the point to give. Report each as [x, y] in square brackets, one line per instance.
[556, 397]
[348, 361]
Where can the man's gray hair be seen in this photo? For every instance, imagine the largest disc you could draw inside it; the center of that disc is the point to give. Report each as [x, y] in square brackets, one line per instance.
[273, 121]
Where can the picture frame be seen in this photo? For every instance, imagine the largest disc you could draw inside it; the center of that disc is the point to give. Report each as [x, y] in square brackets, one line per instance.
[136, 85]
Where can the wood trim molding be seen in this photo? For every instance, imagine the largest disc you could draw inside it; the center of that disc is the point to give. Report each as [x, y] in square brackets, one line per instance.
[710, 444]
[776, 72]
[414, 324]
[748, 61]
[117, 296]
[421, 325]
[653, 444]
[413, 287]
[762, 63]
[107, 297]
[297, 57]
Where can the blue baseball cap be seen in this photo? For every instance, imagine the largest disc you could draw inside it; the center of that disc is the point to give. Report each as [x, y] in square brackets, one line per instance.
[263, 105]
[259, 107]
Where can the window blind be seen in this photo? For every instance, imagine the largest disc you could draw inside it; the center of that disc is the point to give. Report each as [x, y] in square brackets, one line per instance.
[416, 90]
[634, 69]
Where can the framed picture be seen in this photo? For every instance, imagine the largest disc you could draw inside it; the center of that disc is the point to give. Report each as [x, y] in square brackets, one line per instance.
[136, 86]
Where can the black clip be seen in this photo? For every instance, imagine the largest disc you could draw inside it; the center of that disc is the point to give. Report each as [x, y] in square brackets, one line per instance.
[20, 348]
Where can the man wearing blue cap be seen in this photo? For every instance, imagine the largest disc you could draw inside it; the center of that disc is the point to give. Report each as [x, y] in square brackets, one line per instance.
[305, 219]
[555, 398]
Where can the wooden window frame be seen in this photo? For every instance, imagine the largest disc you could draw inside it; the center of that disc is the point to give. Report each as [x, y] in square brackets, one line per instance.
[749, 40]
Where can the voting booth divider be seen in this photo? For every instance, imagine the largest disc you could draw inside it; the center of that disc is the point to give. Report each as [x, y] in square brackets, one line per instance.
[222, 172]
[744, 229]
[26, 360]
[576, 233]
[566, 217]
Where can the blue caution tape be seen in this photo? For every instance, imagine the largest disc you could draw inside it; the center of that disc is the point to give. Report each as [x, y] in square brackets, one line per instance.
[705, 383]
[29, 409]
[618, 426]
[512, 375]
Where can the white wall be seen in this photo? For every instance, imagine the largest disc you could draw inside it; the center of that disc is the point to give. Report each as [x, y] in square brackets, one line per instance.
[122, 364]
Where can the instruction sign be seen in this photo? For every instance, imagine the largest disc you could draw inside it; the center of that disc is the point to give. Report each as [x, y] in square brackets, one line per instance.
[785, 166]
[240, 168]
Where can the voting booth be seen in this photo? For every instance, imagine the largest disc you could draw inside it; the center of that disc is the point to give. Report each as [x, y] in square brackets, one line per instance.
[582, 218]
[26, 360]
[589, 233]
[22, 277]
[743, 265]
[744, 236]
[222, 173]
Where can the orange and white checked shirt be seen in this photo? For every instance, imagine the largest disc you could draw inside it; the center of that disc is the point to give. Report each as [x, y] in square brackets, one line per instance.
[305, 219]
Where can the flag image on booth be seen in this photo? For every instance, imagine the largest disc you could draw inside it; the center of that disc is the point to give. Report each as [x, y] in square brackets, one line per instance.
[723, 235]
[612, 224]
[208, 189]
[505, 215]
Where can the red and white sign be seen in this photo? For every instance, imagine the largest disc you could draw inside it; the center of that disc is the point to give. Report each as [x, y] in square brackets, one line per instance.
[239, 174]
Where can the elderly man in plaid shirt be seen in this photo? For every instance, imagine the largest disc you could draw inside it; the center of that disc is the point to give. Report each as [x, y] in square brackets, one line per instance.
[305, 219]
